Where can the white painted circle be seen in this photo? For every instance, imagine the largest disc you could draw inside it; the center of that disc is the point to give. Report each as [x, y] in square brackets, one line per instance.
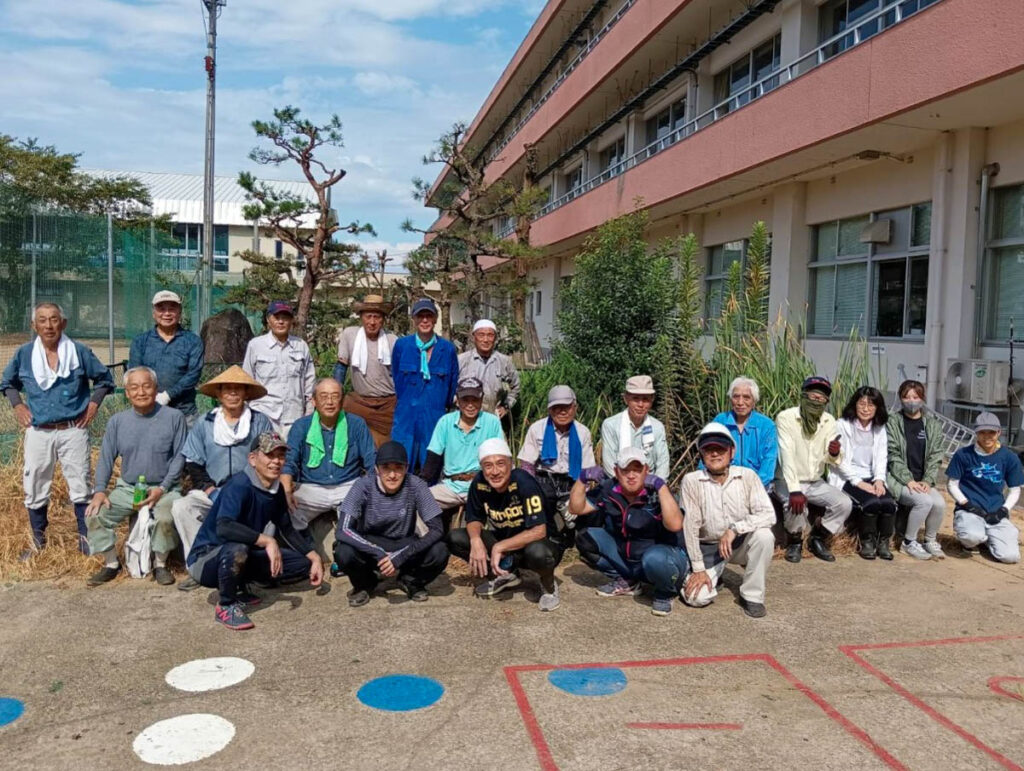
[183, 739]
[209, 674]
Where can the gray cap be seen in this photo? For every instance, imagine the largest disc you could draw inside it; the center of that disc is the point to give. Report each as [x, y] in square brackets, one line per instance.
[561, 394]
[986, 421]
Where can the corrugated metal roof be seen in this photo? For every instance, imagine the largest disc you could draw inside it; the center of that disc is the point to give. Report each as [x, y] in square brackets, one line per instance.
[181, 195]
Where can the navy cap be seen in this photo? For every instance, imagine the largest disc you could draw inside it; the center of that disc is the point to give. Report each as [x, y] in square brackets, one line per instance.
[280, 306]
[423, 304]
[392, 452]
[817, 383]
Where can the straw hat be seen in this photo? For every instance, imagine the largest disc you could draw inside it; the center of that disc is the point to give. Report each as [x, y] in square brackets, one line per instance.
[236, 376]
[373, 302]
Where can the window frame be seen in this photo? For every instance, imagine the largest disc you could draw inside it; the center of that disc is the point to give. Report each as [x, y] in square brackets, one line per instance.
[989, 319]
[910, 253]
[729, 99]
[723, 276]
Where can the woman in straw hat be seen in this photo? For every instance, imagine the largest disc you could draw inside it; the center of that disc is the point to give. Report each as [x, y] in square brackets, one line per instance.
[364, 352]
[217, 448]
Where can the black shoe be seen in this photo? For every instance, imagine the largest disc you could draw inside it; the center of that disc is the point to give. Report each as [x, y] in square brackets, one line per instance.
[163, 576]
[414, 591]
[818, 546]
[103, 575]
[868, 547]
[753, 609]
[795, 549]
[884, 552]
[188, 585]
[356, 599]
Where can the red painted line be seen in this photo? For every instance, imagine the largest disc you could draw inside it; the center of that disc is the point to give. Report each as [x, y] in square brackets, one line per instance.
[688, 726]
[547, 761]
[930, 711]
[995, 685]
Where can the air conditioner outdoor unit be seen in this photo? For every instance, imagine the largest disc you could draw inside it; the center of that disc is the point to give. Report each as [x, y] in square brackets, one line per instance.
[978, 381]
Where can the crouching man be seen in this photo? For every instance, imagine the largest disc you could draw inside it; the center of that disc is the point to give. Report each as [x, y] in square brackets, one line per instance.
[637, 535]
[510, 502]
[729, 518]
[238, 541]
[390, 524]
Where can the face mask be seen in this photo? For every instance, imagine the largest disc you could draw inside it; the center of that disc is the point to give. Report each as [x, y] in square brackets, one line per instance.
[910, 406]
[813, 410]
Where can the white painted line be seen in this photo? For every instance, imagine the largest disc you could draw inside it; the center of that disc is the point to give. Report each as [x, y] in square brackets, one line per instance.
[209, 674]
[183, 739]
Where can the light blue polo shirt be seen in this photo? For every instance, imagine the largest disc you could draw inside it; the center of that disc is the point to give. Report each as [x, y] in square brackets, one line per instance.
[460, 448]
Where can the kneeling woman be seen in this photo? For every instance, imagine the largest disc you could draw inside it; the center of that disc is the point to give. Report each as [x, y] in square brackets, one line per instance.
[861, 472]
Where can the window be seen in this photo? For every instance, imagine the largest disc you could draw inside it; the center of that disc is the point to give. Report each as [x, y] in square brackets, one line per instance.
[187, 238]
[666, 122]
[278, 249]
[877, 289]
[220, 240]
[536, 303]
[1004, 255]
[721, 258]
[220, 264]
[738, 83]
[614, 154]
[573, 179]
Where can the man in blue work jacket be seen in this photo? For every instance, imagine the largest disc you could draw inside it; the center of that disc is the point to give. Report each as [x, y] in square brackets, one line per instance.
[425, 369]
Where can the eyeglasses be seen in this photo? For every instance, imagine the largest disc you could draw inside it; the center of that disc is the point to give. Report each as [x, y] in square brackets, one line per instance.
[328, 398]
[817, 398]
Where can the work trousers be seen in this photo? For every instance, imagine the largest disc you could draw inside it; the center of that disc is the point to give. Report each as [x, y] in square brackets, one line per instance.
[542, 557]
[43, 448]
[753, 551]
[101, 524]
[1001, 538]
[419, 570]
[836, 503]
[230, 566]
[188, 513]
[661, 565]
[312, 500]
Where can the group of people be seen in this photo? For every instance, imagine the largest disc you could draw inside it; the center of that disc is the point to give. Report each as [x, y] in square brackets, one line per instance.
[289, 472]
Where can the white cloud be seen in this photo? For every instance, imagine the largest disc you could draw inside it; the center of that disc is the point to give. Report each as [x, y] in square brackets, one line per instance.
[373, 83]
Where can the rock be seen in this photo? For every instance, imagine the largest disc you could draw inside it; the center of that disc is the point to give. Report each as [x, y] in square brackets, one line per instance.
[225, 336]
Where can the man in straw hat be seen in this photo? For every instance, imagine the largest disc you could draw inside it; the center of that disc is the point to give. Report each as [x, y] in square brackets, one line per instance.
[364, 352]
[216, 449]
[173, 352]
[634, 427]
[492, 368]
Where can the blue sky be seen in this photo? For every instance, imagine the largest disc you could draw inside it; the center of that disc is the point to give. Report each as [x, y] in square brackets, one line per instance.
[121, 82]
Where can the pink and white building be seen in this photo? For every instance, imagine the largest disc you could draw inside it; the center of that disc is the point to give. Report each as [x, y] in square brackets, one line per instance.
[881, 141]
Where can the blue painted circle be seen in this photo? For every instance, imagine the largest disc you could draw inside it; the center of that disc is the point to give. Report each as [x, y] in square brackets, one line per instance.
[400, 693]
[10, 710]
[600, 681]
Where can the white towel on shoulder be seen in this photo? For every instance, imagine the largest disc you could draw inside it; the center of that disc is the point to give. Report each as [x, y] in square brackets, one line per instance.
[359, 355]
[226, 436]
[67, 360]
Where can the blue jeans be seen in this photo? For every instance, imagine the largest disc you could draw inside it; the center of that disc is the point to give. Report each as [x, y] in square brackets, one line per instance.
[662, 566]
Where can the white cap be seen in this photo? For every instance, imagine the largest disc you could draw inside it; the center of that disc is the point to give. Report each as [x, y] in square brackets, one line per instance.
[494, 447]
[629, 455]
[166, 296]
[484, 324]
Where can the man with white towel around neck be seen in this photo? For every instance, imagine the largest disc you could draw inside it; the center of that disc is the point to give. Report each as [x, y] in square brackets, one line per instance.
[364, 352]
[492, 368]
[634, 427]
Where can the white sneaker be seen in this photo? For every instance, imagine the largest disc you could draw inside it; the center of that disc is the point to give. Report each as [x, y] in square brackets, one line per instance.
[933, 548]
[549, 600]
[916, 550]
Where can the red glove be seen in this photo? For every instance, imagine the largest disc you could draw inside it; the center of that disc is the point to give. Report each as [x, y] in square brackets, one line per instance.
[797, 503]
[834, 447]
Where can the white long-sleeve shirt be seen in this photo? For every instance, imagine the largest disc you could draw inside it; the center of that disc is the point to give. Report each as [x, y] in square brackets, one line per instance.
[865, 454]
[711, 508]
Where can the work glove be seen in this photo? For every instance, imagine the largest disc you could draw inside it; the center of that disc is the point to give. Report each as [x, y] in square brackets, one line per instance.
[997, 516]
[592, 474]
[834, 447]
[655, 481]
[163, 399]
[562, 508]
[797, 503]
[974, 508]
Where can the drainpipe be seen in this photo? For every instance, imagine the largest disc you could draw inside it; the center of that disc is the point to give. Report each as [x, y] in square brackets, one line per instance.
[937, 269]
[987, 172]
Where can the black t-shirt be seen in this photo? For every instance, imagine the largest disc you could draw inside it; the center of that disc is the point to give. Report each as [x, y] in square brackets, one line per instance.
[519, 508]
[914, 431]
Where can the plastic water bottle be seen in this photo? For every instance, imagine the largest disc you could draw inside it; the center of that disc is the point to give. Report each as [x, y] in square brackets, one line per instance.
[141, 492]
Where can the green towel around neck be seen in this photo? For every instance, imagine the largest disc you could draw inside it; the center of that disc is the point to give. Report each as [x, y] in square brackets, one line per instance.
[315, 440]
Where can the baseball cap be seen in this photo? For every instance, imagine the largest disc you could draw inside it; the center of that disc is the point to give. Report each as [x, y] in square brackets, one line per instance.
[470, 386]
[495, 446]
[392, 452]
[629, 455]
[280, 306]
[714, 435]
[817, 383]
[268, 441]
[642, 385]
[561, 394]
[423, 304]
[166, 296]
[986, 421]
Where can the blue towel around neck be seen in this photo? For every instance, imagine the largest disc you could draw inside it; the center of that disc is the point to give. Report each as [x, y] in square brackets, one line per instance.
[423, 348]
[549, 449]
